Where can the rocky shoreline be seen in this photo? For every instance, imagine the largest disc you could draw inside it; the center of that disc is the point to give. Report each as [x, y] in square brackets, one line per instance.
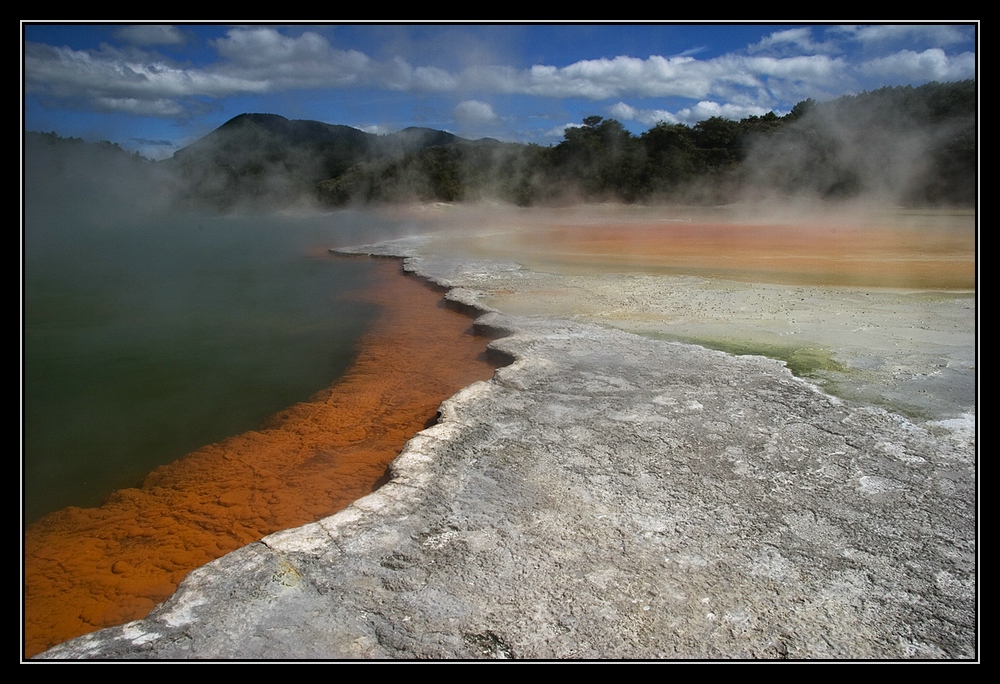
[608, 495]
[88, 568]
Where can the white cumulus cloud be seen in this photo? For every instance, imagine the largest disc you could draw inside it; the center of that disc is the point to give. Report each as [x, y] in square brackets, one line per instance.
[930, 65]
[688, 115]
[277, 61]
[110, 78]
[474, 111]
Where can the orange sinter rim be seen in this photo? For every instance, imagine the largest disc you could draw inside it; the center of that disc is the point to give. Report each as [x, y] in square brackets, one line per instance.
[91, 568]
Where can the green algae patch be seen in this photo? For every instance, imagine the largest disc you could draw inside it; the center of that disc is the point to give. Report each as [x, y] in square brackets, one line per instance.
[802, 361]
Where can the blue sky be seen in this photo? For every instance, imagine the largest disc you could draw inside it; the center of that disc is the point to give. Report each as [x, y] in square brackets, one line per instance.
[156, 88]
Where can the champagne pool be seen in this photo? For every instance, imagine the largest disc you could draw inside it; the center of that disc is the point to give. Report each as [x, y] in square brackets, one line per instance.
[146, 337]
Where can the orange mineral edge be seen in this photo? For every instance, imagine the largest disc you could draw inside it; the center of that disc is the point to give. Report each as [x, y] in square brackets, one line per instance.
[85, 569]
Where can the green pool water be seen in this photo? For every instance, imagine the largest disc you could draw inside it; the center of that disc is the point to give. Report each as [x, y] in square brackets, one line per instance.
[144, 339]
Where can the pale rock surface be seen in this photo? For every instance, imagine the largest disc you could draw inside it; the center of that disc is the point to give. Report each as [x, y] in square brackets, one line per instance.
[611, 496]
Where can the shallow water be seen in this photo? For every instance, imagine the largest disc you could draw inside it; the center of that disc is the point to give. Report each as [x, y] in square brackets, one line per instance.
[875, 304]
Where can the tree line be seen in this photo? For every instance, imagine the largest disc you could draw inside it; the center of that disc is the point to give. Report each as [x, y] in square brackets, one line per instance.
[910, 145]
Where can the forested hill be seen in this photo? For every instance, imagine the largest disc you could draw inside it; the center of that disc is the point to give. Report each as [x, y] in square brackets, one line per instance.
[913, 146]
[904, 145]
[268, 159]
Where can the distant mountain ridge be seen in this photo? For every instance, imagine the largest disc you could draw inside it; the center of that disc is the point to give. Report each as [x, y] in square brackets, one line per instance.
[902, 145]
[269, 158]
[297, 133]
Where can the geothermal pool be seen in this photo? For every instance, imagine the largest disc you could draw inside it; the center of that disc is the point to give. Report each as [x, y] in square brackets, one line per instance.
[147, 338]
[877, 307]
[87, 568]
